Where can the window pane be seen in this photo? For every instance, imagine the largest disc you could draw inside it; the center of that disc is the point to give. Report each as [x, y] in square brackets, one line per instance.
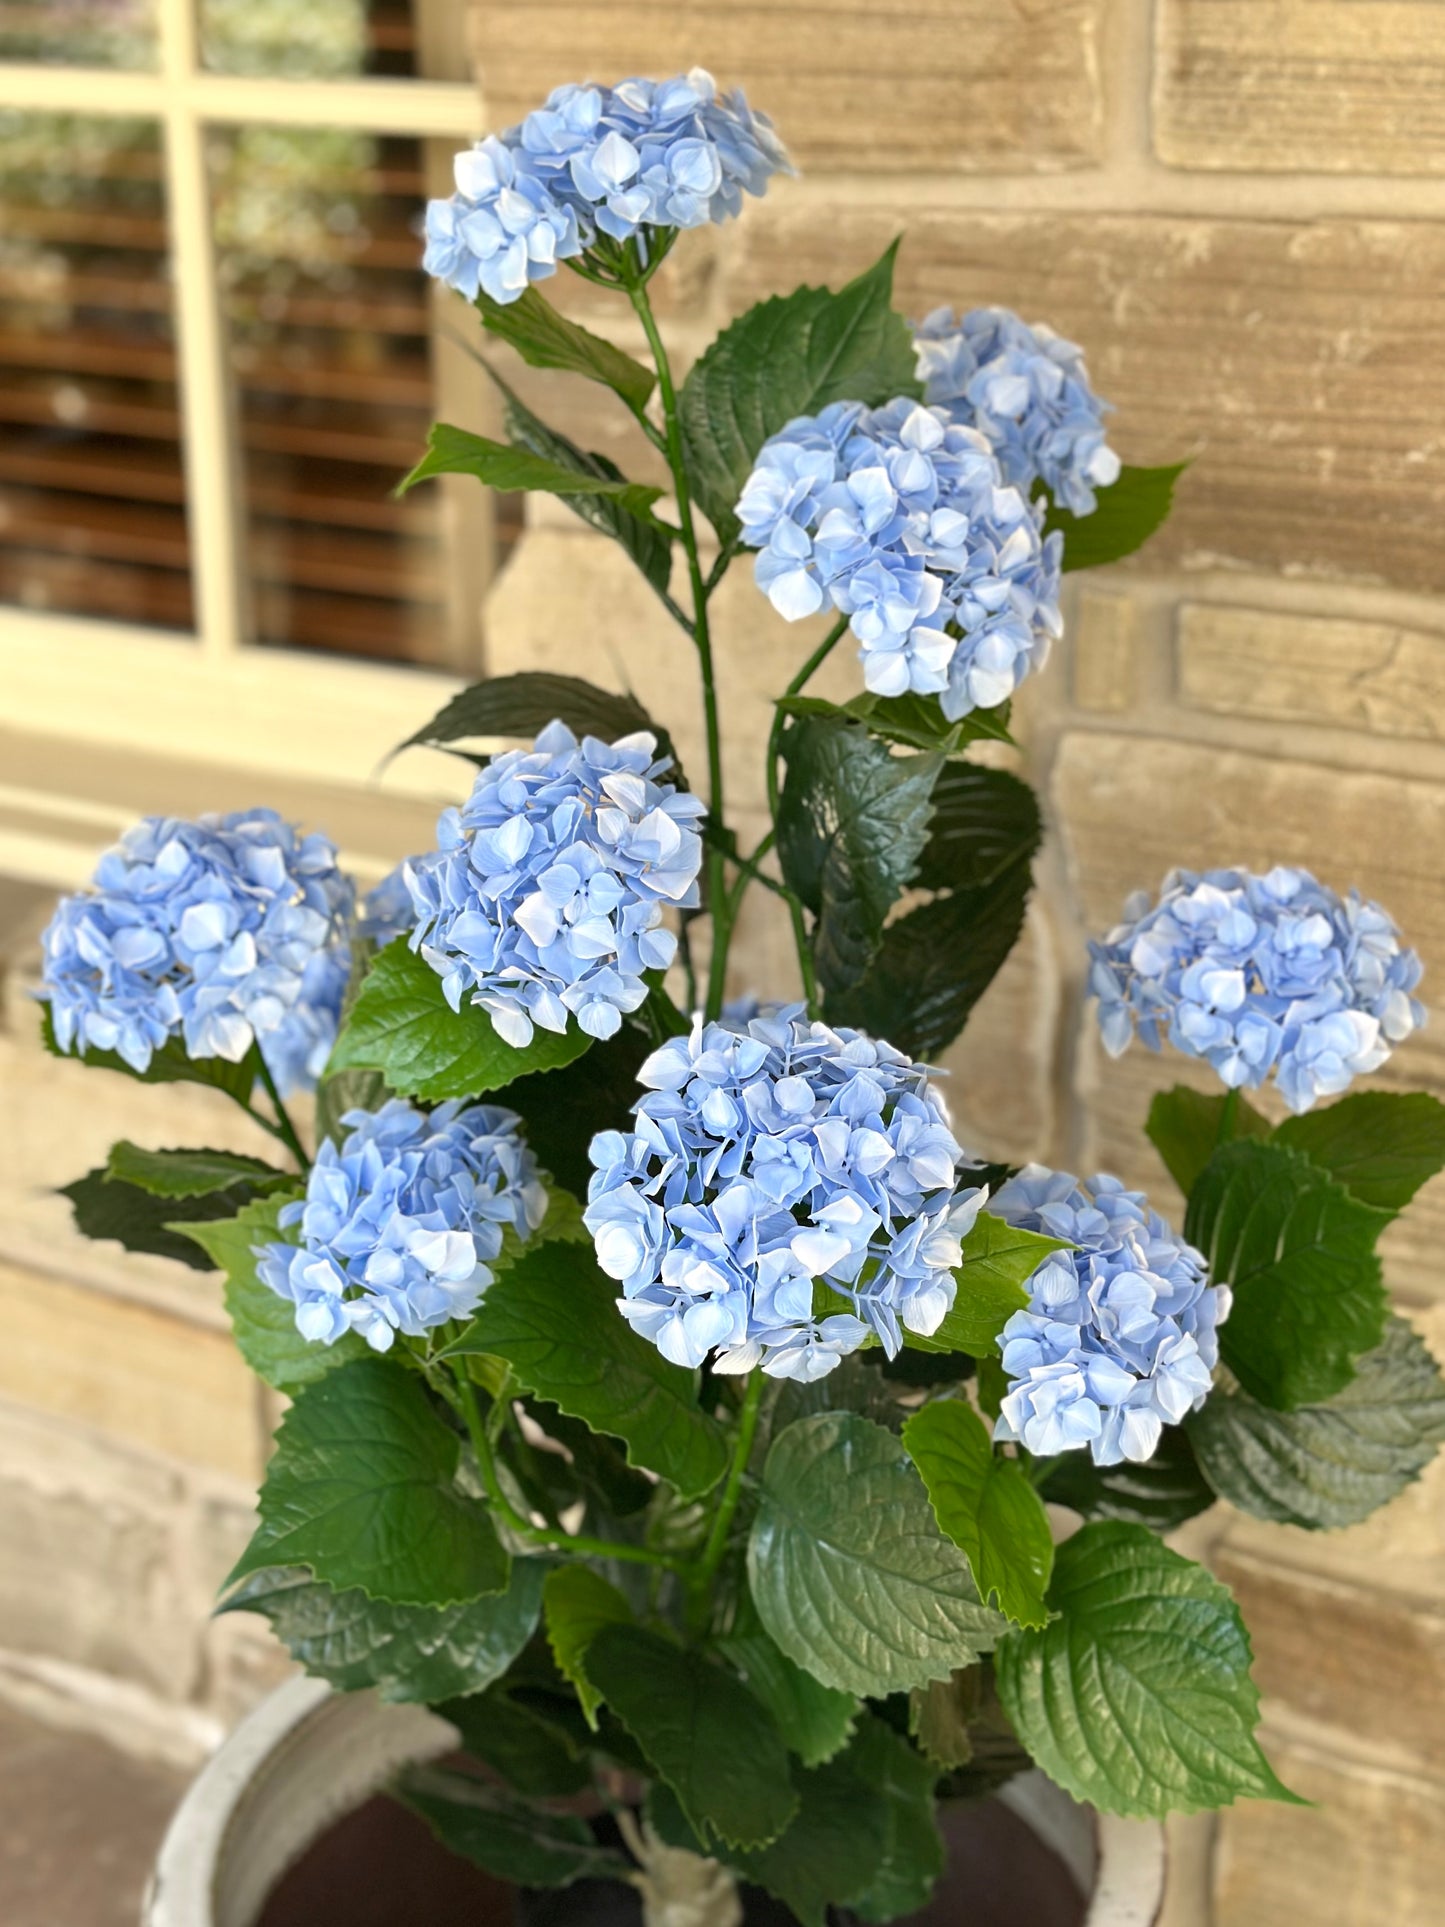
[80, 33]
[319, 38]
[343, 352]
[92, 502]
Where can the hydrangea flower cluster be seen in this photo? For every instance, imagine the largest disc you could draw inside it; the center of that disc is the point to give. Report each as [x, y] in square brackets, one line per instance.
[770, 1155]
[902, 519]
[1027, 391]
[223, 932]
[398, 1225]
[615, 161]
[1259, 975]
[1120, 1338]
[547, 892]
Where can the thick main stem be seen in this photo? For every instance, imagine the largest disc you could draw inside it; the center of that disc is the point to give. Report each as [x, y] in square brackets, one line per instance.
[523, 1527]
[718, 902]
[700, 1584]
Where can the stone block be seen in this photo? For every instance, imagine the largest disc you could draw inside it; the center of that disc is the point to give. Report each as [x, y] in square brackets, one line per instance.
[1129, 807]
[90, 1573]
[130, 1369]
[1104, 648]
[1370, 1849]
[865, 87]
[1351, 87]
[1284, 356]
[1372, 676]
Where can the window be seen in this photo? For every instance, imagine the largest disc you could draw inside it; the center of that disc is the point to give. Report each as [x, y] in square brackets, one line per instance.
[217, 355]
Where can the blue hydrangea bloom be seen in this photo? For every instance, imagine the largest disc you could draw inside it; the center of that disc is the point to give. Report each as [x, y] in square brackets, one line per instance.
[547, 892]
[1259, 975]
[501, 230]
[613, 161]
[1120, 1338]
[387, 910]
[770, 1155]
[1025, 389]
[398, 1225]
[223, 932]
[902, 520]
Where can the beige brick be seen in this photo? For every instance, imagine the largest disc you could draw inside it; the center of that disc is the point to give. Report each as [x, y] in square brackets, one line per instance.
[1370, 1851]
[1130, 807]
[1374, 676]
[874, 85]
[89, 1569]
[1360, 1657]
[1104, 647]
[133, 1371]
[1354, 86]
[1284, 356]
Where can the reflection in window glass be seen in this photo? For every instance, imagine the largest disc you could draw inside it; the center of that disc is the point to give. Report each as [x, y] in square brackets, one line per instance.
[80, 33]
[313, 39]
[92, 502]
[341, 361]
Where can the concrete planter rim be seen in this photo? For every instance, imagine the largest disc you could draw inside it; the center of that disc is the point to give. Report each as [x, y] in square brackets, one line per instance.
[306, 1756]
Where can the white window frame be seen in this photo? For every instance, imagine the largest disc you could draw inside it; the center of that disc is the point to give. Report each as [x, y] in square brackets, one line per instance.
[210, 694]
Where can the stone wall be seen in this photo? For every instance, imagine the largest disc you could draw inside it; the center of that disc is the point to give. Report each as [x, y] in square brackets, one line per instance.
[1235, 207]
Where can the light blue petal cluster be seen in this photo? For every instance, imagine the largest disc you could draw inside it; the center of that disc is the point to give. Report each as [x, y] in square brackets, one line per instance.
[769, 1155]
[1120, 1338]
[902, 520]
[614, 161]
[547, 892]
[1025, 389]
[224, 931]
[398, 1225]
[1259, 976]
[387, 910]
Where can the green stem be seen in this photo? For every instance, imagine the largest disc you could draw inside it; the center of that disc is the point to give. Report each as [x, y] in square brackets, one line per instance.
[285, 1129]
[523, 1527]
[718, 900]
[700, 1584]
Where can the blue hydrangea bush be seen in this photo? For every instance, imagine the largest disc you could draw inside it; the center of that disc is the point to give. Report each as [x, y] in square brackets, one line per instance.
[745, 1465]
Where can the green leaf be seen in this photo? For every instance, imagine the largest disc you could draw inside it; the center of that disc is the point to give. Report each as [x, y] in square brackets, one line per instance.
[361, 1490]
[191, 1174]
[1161, 1493]
[578, 1604]
[563, 1110]
[902, 1782]
[168, 1065]
[106, 1208]
[936, 962]
[1128, 513]
[522, 705]
[546, 339]
[532, 1755]
[815, 1720]
[998, 1261]
[915, 721]
[265, 1323]
[852, 825]
[940, 1715]
[986, 1505]
[1380, 1145]
[830, 1853]
[511, 1838]
[456, 451]
[553, 1316]
[1186, 1128]
[788, 356]
[1138, 1698]
[714, 1744]
[415, 1653]
[338, 1092]
[404, 1027]
[848, 1569]
[599, 1468]
[1299, 1252]
[1335, 1463]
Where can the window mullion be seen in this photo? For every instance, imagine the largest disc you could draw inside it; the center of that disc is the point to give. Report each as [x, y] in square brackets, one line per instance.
[208, 414]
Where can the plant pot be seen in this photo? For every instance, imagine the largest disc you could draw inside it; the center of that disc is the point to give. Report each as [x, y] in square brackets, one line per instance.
[282, 1829]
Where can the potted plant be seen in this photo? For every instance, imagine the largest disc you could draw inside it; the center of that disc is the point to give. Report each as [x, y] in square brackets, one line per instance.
[675, 1404]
